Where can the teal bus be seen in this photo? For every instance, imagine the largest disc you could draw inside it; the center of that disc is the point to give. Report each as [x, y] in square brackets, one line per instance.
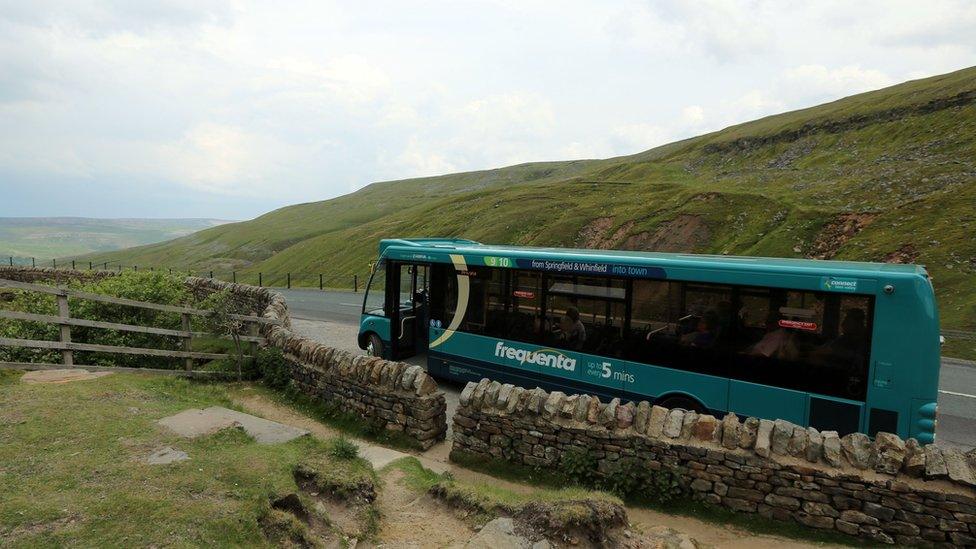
[836, 345]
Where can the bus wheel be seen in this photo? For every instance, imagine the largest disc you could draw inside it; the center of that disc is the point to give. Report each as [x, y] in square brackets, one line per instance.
[374, 346]
[681, 402]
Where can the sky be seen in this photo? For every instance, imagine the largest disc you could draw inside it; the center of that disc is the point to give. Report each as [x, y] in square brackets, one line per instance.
[229, 109]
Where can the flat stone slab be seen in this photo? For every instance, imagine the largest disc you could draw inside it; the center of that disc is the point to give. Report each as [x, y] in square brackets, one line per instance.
[167, 455]
[61, 376]
[194, 423]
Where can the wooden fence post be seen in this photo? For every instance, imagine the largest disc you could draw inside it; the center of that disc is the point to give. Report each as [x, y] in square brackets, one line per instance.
[252, 329]
[187, 341]
[67, 356]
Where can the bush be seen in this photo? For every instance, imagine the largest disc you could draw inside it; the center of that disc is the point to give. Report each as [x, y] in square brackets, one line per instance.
[273, 368]
[343, 448]
[579, 465]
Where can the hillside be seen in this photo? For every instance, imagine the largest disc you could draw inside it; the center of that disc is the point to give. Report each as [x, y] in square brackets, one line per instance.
[888, 175]
[44, 238]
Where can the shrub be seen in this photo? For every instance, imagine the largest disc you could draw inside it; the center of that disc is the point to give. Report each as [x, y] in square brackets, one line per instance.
[624, 477]
[273, 368]
[579, 465]
[343, 448]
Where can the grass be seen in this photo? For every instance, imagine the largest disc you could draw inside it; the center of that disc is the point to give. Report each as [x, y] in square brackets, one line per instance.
[72, 469]
[550, 482]
[914, 171]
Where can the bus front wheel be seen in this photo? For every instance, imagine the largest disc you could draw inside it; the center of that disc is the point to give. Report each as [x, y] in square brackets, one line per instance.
[681, 402]
[374, 346]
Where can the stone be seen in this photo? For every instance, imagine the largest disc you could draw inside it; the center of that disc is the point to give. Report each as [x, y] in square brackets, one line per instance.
[569, 406]
[466, 393]
[705, 428]
[747, 434]
[857, 449]
[553, 404]
[764, 438]
[799, 442]
[194, 423]
[478, 396]
[832, 449]
[593, 412]
[914, 465]
[537, 397]
[782, 434]
[889, 453]
[664, 537]
[641, 417]
[517, 398]
[625, 416]
[167, 455]
[731, 431]
[655, 423]
[672, 425]
[958, 467]
[814, 445]
[424, 384]
[935, 465]
[406, 382]
[687, 422]
[491, 394]
[857, 517]
[62, 375]
[786, 502]
[582, 407]
[504, 394]
[498, 534]
[608, 415]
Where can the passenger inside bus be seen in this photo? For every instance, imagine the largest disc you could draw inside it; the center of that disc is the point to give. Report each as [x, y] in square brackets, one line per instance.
[705, 333]
[572, 332]
[778, 342]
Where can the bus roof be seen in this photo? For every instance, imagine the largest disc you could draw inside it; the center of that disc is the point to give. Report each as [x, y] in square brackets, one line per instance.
[446, 245]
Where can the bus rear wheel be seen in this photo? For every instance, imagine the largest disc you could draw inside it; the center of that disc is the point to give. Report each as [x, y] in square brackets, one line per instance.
[681, 402]
[374, 346]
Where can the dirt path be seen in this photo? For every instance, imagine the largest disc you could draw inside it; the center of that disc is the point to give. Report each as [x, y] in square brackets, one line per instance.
[411, 520]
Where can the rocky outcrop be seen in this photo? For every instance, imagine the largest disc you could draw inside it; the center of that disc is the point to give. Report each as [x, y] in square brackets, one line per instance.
[887, 490]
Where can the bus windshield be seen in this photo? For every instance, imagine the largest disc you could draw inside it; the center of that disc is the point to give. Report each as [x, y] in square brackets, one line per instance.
[375, 300]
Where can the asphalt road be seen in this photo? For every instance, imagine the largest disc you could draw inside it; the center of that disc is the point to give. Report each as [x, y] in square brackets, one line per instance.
[957, 382]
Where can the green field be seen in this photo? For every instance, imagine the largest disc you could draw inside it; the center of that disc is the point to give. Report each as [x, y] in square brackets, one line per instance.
[45, 238]
[888, 175]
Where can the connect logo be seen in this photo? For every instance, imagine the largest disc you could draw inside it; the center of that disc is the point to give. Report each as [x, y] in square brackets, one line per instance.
[839, 284]
[542, 357]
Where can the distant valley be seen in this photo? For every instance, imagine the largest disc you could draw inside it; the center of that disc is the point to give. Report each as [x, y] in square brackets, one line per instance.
[45, 238]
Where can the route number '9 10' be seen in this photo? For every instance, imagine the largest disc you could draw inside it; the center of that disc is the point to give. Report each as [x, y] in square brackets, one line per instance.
[498, 261]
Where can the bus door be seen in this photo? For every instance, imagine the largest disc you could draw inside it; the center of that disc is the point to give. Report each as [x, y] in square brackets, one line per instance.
[410, 293]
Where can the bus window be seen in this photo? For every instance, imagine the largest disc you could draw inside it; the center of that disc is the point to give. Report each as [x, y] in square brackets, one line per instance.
[586, 313]
[375, 301]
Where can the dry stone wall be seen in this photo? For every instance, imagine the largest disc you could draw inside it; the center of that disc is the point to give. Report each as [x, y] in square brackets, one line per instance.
[392, 395]
[44, 275]
[886, 490]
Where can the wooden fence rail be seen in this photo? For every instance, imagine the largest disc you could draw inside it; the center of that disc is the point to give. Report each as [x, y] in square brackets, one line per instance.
[68, 347]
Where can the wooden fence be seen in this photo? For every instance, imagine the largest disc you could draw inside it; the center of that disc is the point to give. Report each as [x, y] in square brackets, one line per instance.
[68, 348]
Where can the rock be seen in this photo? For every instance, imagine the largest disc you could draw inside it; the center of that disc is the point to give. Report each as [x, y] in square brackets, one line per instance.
[782, 434]
[593, 411]
[517, 398]
[799, 442]
[663, 537]
[406, 382]
[747, 434]
[424, 384]
[582, 406]
[672, 425]
[831, 449]
[764, 438]
[569, 406]
[167, 455]
[491, 394]
[608, 416]
[625, 416]
[958, 467]
[731, 431]
[553, 404]
[889, 451]
[857, 449]
[655, 423]
[814, 445]
[537, 397]
[498, 534]
[914, 464]
[641, 416]
[479, 393]
[504, 394]
[705, 428]
[935, 465]
[465, 397]
[687, 422]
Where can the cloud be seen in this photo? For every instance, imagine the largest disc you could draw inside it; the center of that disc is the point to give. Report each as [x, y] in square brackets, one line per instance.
[816, 81]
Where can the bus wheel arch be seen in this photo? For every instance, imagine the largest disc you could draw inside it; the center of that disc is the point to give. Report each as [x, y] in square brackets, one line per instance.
[683, 401]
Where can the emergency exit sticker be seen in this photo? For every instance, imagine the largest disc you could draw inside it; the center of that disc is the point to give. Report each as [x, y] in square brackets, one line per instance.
[798, 325]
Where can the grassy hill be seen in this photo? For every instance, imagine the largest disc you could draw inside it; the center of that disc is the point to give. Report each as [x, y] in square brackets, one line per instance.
[888, 175]
[44, 238]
